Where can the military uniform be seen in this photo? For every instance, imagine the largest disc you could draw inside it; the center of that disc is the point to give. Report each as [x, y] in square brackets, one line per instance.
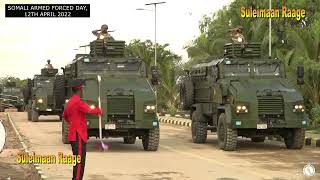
[103, 31]
[48, 66]
[75, 114]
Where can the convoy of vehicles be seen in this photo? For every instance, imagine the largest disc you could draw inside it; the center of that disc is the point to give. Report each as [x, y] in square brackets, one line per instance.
[11, 96]
[241, 94]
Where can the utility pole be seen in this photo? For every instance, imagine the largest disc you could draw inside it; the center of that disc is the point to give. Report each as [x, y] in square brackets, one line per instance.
[155, 28]
[270, 30]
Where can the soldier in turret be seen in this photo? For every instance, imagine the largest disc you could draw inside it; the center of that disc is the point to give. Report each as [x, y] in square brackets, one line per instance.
[103, 33]
[48, 65]
[236, 35]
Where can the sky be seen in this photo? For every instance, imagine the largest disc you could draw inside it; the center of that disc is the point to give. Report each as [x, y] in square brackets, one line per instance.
[26, 43]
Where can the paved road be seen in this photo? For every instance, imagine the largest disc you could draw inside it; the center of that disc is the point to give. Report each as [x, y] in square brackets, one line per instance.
[177, 158]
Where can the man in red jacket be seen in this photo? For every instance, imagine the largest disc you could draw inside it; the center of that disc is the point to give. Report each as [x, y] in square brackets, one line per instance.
[75, 114]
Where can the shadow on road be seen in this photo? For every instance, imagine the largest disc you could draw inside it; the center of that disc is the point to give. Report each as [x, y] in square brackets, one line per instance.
[116, 146]
[48, 120]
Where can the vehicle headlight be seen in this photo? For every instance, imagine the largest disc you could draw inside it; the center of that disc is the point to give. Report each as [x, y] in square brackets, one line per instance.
[242, 109]
[40, 100]
[92, 106]
[298, 108]
[150, 108]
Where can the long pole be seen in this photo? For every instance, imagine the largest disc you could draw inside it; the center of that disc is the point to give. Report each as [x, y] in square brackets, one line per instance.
[270, 31]
[155, 34]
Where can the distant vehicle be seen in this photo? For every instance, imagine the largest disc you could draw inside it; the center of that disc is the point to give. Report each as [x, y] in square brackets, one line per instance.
[43, 96]
[11, 97]
[128, 99]
[246, 95]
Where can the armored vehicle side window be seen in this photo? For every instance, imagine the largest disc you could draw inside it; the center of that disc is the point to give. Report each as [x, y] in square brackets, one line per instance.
[126, 67]
[94, 67]
[267, 69]
[236, 69]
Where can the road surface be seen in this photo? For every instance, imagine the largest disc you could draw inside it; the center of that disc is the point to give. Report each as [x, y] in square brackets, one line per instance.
[177, 157]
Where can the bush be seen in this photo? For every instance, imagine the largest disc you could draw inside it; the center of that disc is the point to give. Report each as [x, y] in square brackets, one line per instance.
[172, 110]
[315, 114]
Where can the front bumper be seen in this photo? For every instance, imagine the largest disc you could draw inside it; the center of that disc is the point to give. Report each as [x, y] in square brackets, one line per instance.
[239, 123]
[149, 123]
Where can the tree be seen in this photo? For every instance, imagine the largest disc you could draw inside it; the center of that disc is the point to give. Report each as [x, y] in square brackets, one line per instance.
[20, 83]
[168, 64]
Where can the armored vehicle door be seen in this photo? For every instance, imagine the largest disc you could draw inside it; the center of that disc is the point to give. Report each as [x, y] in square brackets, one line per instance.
[213, 72]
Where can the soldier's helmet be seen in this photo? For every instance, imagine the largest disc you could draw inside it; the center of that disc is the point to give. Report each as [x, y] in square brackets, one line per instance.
[104, 27]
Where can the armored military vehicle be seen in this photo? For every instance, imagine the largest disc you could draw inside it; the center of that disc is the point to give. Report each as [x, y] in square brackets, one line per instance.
[127, 98]
[243, 94]
[11, 96]
[44, 94]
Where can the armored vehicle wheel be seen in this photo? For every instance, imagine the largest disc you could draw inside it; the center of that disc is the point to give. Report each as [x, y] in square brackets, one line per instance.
[129, 140]
[187, 93]
[34, 115]
[28, 112]
[59, 91]
[21, 109]
[198, 128]
[295, 138]
[150, 141]
[227, 137]
[258, 139]
[64, 132]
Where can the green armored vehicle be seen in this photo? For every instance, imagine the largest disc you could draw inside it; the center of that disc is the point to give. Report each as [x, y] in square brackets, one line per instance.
[127, 98]
[11, 96]
[44, 94]
[245, 95]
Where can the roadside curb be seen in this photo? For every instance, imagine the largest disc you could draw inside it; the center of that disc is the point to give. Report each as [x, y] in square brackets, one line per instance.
[25, 148]
[176, 122]
[308, 141]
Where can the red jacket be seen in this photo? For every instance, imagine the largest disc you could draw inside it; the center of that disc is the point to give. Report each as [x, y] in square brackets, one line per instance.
[75, 114]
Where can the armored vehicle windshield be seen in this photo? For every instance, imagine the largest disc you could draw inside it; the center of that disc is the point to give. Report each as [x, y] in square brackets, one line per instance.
[91, 65]
[259, 68]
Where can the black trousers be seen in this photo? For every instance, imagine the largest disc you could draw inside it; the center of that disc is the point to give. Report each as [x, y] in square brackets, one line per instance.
[79, 148]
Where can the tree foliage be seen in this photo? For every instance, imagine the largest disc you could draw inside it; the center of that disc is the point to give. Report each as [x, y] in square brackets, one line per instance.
[19, 83]
[168, 64]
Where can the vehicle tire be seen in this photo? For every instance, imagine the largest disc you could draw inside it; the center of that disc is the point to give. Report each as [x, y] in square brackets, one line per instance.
[227, 137]
[258, 139]
[25, 94]
[28, 112]
[64, 132]
[34, 115]
[21, 108]
[150, 141]
[59, 91]
[129, 140]
[198, 128]
[186, 93]
[295, 138]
